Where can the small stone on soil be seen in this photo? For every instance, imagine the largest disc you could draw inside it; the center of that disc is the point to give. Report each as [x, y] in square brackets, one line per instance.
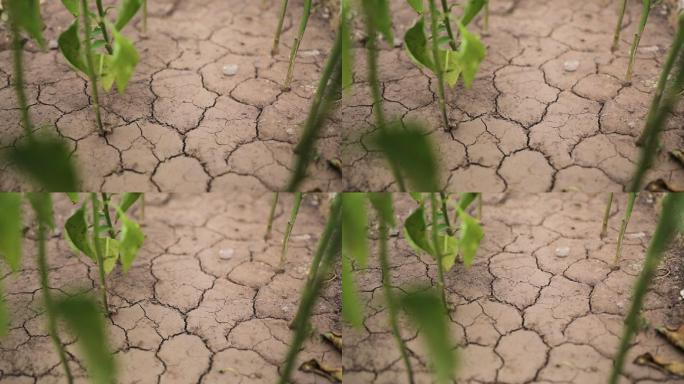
[571, 65]
[681, 294]
[562, 251]
[53, 44]
[226, 253]
[230, 69]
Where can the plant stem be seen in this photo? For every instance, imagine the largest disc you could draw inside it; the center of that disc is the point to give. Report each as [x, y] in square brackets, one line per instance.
[438, 65]
[18, 52]
[91, 65]
[267, 235]
[290, 224]
[670, 218]
[389, 298]
[438, 252]
[98, 251]
[618, 28]
[623, 226]
[372, 59]
[331, 248]
[297, 42]
[646, 9]
[664, 75]
[144, 16]
[49, 306]
[479, 206]
[606, 215]
[108, 219]
[447, 24]
[103, 27]
[486, 17]
[279, 29]
[327, 91]
[443, 200]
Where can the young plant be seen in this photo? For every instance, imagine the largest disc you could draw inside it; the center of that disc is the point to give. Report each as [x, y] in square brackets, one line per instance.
[271, 215]
[618, 27]
[623, 226]
[103, 58]
[104, 242]
[446, 57]
[645, 11]
[670, 223]
[290, 225]
[606, 215]
[45, 159]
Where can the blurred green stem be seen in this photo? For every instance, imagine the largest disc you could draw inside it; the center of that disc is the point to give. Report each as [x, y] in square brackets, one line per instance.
[439, 71]
[623, 227]
[618, 28]
[271, 215]
[103, 27]
[98, 250]
[279, 29]
[18, 51]
[297, 42]
[447, 23]
[108, 218]
[606, 215]
[646, 9]
[290, 225]
[85, 12]
[437, 249]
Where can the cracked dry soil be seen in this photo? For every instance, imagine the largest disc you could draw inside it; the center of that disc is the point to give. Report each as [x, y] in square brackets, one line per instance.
[182, 125]
[202, 303]
[521, 314]
[527, 124]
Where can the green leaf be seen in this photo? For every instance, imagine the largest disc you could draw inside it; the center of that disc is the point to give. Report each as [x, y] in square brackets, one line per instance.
[84, 319]
[470, 54]
[413, 153]
[417, 5]
[73, 6]
[128, 199]
[42, 206]
[127, 10]
[417, 45]
[47, 161]
[471, 234]
[425, 310]
[382, 202]
[4, 314]
[76, 232]
[131, 239]
[465, 199]
[120, 65]
[10, 229]
[472, 8]
[379, 14]
[352, 310]
[110, 253]
[448, 247]
[70, 45]
[73, 196]
[26, 15]
[417, 197]
[415, 230]
[347, 59]
[355, 227]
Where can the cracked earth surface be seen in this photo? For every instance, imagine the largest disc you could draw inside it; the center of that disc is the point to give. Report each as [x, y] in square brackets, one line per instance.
[521, 314]
[203, 303]
[527, 123]
[182, 125]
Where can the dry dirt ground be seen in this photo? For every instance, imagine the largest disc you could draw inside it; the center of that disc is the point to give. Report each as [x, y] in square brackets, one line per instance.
[521, 314]
[202, 303]
[527, 123]
[182, 125]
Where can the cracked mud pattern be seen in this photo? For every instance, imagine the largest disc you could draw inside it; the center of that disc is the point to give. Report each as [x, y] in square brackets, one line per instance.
[182, 125]
[527, 124]
[521, 314]
[202, 303]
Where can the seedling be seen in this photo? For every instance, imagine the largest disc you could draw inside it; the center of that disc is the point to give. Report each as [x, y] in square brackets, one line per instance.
[271, 215]
[290, 225]
[306, 13]
[645, 11]
[103, 58]
[104, 242]
[623, 226]
[606, 215]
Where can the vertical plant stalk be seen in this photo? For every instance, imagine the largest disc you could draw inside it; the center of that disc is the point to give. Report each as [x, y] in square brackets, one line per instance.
[606, 215]
[103, 27]
[297, 42]
[646, 9]
[618, 28]
[49, 304]
[486, 16]
[438, 252]
[18, 52]
[98, 251]
[91, 64]
[439, 71]
[447, 24]
[330, 248]
[664, 75]
[443, 200]
[670, 219]
[290, 225]
[389, 298]
[271, 215]
[279, 29]
[372, 59]
[108, 218]
[623, 226]
[144, 16]
[479, 207]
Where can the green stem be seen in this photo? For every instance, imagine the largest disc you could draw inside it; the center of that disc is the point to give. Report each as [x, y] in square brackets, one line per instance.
[108, 218]
[623, 226]
[618, 28]
[437, 248]
[439, 71]
[91, 64]
[49, 306]
[271, 215]
[479, 207]
[331, 248]
[373, 79]
[297, 42]
[279, 29]
[327, 91]
[443, 200]
[103, 27]
[144, 16]
[18, 52]
[606, 215]
[98, 251]
[447, 24]
[486, 16]
[670, 219]
[389, 298]
[646, 9]
[290, 224]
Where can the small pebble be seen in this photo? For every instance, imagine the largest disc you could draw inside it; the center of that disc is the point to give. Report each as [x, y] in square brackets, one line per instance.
[631, 124]
[398, 42]
[310, 53]
[289, 131]
[637, 235]
[230, 69]
[226, 253]
[571, 65]
[562, 251]
[681, 294]
[303, 237]
[53, 44]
